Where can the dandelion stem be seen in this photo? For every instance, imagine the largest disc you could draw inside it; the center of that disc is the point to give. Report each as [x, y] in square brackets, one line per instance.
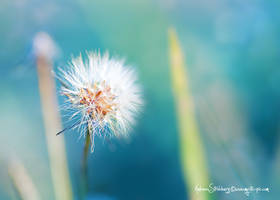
[85, 164]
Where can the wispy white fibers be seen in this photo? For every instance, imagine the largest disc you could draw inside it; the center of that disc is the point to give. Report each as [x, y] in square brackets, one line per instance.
[103, 95]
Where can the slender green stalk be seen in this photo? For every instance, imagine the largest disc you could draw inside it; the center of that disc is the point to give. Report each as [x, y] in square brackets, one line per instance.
[22, 182]
[56, 146]
[191, 146]
[85, 165]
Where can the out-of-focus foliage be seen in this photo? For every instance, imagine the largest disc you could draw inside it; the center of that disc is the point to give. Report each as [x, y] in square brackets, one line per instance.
[194, 165]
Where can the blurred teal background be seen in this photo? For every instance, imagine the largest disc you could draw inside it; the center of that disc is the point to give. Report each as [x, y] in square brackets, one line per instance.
[232, 50]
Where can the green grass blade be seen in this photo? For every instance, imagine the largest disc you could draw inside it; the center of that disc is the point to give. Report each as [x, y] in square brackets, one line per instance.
[191, 147]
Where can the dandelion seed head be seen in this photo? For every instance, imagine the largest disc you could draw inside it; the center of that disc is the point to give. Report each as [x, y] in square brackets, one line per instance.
[102, 94]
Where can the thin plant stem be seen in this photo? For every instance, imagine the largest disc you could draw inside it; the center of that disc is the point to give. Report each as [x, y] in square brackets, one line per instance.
[22, 182]
[85, 164]
[56, 146]
[193, 160]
